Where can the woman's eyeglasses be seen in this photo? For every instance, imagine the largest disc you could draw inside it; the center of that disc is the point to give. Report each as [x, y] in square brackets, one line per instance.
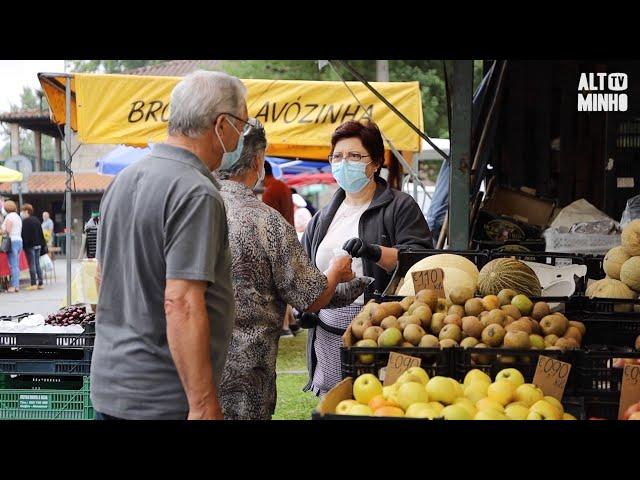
[354, 157]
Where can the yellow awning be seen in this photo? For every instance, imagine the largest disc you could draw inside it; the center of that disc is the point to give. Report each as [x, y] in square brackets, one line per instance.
[7, 175]
[299, 116]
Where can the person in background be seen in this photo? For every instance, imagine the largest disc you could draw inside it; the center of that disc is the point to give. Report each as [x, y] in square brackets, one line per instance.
[277, 194]
[33, 243]
[47, 228]
[301, 215]
[270, 269]
[12, 227]
[370, 221]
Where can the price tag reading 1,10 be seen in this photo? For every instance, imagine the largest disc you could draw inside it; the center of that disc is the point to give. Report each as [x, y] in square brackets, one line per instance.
[431, 279]
[398, 364]
[630, 391]
[551, 376]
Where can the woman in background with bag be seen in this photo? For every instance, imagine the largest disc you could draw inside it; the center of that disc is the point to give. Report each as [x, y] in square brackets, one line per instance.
[12, 228]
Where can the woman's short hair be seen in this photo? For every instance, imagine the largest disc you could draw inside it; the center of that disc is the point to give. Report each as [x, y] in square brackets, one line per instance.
[27, 207]
[368, 133]
[10, 206]
[255, 141]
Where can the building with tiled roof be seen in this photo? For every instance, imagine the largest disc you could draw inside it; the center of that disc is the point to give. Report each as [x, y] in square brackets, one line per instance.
[174, 68]
[43, 183]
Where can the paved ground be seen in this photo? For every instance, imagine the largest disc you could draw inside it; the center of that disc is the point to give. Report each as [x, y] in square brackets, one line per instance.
[44, 301]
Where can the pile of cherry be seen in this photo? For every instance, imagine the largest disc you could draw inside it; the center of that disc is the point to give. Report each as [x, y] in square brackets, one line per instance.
[71, 316]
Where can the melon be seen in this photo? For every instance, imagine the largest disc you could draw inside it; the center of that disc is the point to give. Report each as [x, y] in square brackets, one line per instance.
[612, 288]
[630, 273]
[631, 238]
[509, 273]
[453, 277]
[613, 261]
[443, 260]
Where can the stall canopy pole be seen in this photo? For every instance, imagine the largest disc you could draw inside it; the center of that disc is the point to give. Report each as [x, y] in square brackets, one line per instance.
[460, 154]
[67, 198]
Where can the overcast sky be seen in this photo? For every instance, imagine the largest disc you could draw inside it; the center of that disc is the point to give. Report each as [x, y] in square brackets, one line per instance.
[15, 74]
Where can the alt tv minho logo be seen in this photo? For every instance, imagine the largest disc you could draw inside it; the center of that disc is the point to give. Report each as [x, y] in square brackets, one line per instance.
[601, 92]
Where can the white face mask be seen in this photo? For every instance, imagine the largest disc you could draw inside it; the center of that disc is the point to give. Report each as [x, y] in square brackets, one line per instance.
[23, 215]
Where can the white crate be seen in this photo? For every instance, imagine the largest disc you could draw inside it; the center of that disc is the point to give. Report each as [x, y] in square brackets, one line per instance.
[580, 242]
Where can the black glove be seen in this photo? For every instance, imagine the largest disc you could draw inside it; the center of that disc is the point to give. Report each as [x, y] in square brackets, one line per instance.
[359, 249]
[308, 320]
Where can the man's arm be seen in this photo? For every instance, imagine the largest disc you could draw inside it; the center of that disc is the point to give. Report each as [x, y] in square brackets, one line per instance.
[188, 334]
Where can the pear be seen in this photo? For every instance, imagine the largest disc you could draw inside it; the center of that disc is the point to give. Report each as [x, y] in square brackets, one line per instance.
[391, 337]
[372, 333]
[517, 339]
[428, 296]
[429, 341]
[512, 311]
[472, 327]
[469, 342]
[573, 332]
[580, 326]
[390, 322]
[519, 326]
[392, 308]
[473, 307]
[459, 295]
[358, 326]
[550, 340]
[437, 322]
[453, 318]
[450, 331]
[448, 343]
[377, 313]
[540, 310]
[406, 302]
[413, 334]
[553, 325]
[456, 310]
[506, 295]
[415, 305]
[424, 314]
[567, 344]
[493, 335]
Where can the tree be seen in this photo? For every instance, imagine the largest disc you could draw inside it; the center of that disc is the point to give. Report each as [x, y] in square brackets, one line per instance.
[109, 66]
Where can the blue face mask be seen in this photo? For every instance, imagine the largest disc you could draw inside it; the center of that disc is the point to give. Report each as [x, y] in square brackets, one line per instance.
[229, 159]
[352, 177]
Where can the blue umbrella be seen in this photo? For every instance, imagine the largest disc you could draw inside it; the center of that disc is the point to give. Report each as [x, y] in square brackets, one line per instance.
[120, 158]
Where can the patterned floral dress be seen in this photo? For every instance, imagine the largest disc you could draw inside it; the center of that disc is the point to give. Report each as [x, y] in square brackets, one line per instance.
[270, 269]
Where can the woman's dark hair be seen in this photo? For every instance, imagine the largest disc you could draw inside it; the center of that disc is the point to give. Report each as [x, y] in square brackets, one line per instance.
[368, 133]
[267, 168]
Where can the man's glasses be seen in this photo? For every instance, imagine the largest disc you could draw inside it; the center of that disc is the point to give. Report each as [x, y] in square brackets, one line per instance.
[248, 125]
[353, 157]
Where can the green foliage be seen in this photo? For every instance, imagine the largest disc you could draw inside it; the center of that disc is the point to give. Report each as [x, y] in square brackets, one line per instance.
[109, 66]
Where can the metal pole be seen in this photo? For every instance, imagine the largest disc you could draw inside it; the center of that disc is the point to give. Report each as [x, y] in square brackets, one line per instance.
[382, 70]
[460, 154]
[67, 199]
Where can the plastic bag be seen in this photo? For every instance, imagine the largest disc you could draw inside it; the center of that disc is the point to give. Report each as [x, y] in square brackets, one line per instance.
[631, 211]
[347, 293]
[46, 264]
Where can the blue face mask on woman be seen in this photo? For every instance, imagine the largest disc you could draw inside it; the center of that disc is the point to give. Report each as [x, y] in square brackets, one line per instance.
[229, 159]
[351, 176]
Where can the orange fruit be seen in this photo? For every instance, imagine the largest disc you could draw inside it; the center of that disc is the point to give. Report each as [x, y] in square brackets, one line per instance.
[379, 401]
[388, 412]
[491, 302]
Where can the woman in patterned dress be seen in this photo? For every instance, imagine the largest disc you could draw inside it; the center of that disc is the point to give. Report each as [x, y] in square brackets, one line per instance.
[270, 269]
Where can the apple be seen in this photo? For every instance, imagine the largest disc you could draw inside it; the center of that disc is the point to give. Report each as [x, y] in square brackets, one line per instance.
[456, 412]
[489, 403]
[361, 410]
[630, 411]
[554, 401]
[568, 416]
[407, 377]
[441, 389]
[490, 414]
[420, 373]
[423, 410]
[344, 406]
[512, 375]
[516, 411]
[476, 375]
[366, 358]
[545, 410]
[529, 394]
[633, 416]
[476, 390]
[459, 388]
[502, 391]
[467, 405]
[410, 393]
[366, 387]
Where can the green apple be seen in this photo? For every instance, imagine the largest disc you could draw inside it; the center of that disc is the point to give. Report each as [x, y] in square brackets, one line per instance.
[476, 390]
[544, 410]
[423, 410]
[502, 391]
[489, 403]
[537, 342]
[511, 374]
[568, 416]
[420, 373]
[442, 389]
[363, 410]
[476, 375]
[554, 401]
[456, 412]
[528, 394]
[366, 387]
[407, 377]
[410, 393]
[467, 405]
[516, 411]
[344, 406]
[366, 358]
[490, 414]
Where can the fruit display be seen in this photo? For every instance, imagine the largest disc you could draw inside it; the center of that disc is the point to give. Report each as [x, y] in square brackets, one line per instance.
[508, 320]
[632, 413]
[73, 315]
[508, 273]
[415, 395]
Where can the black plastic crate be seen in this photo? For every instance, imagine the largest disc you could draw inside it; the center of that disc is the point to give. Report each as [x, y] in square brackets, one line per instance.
[406, 259]
[492, 360]
[51, 340]
[42, 382]
[596, 374]
[595, 268]
[615, 330]
[435, 361]
[45, 367]
[599, 408]
[531, 245]
[606, 307]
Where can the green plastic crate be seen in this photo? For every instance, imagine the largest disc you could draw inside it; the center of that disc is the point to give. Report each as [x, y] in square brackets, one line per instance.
[44, 404]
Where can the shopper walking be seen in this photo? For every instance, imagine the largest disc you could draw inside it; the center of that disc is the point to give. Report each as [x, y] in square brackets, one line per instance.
[12, 227]
[33, 243]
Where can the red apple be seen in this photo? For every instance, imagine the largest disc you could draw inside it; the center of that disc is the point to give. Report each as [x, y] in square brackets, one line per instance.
[630, 411]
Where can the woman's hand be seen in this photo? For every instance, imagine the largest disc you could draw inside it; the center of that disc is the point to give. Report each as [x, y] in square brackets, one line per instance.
[340, 268]
[359, 249]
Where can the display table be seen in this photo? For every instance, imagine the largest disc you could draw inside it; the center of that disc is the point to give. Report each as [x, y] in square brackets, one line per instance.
[5, 271]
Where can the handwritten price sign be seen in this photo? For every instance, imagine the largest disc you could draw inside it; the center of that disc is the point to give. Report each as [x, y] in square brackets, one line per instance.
[551, 376]
[432, 279]
[398, 364]
[630, 391]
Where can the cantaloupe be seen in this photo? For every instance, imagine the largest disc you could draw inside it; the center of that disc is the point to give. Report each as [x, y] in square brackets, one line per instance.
[613, 261]
[509, 273]
[446, 260]
[630, 238]
[630, 273]
[612, 288]
[453, 277]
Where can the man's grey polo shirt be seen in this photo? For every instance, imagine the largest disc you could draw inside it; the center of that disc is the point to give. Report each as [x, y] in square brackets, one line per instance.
[161, 218]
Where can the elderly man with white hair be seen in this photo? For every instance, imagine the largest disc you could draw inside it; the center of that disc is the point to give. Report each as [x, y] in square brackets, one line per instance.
[166, 309]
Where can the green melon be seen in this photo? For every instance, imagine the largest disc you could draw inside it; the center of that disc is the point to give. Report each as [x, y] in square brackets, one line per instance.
[510, 273]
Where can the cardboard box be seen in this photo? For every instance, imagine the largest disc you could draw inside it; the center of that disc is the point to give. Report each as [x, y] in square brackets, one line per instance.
[521, 206]
[342, 391]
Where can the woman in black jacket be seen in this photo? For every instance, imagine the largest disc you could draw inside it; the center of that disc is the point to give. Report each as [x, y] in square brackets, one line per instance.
[368, 220]
[34, 244]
